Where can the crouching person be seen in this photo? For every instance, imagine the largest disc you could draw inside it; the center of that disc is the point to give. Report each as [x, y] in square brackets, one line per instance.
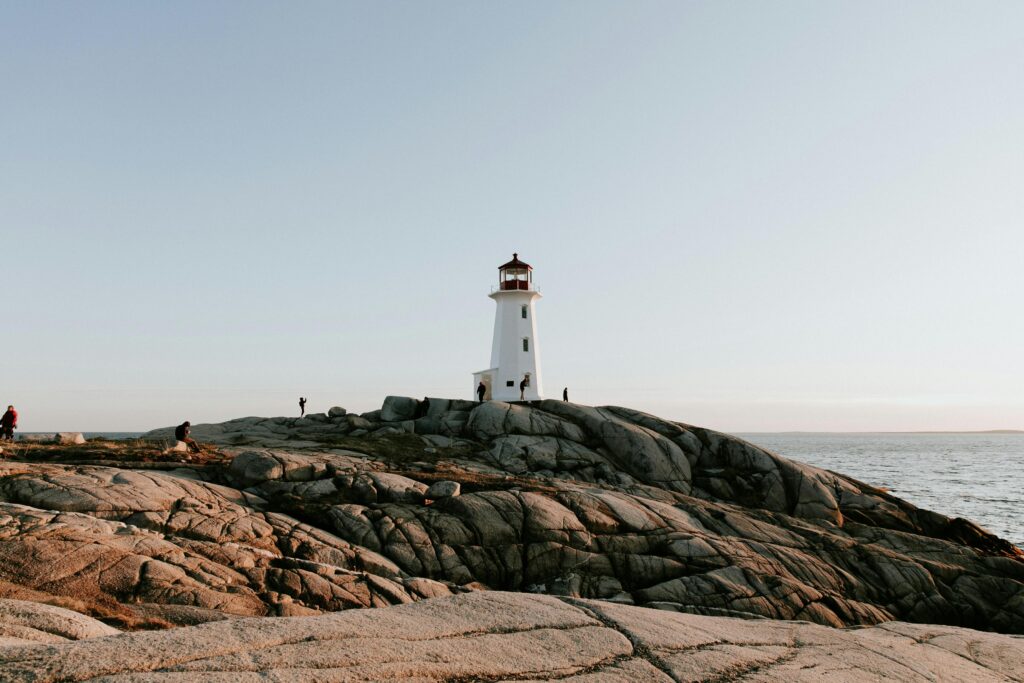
[182, 432]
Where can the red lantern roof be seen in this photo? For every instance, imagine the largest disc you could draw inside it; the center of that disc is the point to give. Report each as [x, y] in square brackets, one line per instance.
[515, 263]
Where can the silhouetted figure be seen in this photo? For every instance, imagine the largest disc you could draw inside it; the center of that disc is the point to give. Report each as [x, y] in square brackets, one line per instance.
[565, 394]
[422, 408]
[523, 383]
[481, 389]
[302, 406]
[181, 433]
[8, 423]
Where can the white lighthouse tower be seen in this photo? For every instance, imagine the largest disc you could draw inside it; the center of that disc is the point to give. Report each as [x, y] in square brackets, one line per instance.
[515, 353]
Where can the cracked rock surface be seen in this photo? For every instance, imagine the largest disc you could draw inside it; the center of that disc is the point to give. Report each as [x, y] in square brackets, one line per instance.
[518, 637]
[439, 498]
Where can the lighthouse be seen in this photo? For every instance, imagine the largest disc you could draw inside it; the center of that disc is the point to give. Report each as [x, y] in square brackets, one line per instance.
[515, 353]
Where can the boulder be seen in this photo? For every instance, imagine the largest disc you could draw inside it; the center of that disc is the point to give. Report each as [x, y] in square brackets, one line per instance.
[69, 438]
[358, 422]
[443, 489]
[255, 467]
[337, 411]
[398, 408]
[439, 406]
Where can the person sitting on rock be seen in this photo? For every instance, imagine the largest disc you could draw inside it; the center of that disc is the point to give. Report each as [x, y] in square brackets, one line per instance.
[181, 433]
[481, 389]
[302, 406]
[8, 423]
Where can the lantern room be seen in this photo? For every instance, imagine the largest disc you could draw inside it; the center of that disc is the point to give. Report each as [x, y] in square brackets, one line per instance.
[515, 275]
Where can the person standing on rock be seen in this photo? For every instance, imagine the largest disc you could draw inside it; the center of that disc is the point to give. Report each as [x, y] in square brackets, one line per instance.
[181, 433]
[565, 394]
[8, 423]
[523, 383]
[481, 389]
[302, 406]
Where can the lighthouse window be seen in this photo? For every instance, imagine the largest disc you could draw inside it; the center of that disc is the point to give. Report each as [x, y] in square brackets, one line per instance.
[526, 344]
[510, 383]
[524, 312]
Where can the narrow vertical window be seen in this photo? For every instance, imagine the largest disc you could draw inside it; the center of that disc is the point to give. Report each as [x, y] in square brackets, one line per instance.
[526, 344]
[524, 311]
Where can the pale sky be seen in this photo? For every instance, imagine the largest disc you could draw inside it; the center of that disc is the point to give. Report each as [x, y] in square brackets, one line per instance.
[749, 216]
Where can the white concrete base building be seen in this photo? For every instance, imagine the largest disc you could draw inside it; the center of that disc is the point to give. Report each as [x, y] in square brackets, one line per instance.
[515, 352]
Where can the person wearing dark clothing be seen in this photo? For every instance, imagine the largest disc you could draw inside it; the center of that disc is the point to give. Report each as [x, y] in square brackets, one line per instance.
[181, 433]
[522, 388]
[302, 406]
[481, 389]
[565, 394]
[8, 423]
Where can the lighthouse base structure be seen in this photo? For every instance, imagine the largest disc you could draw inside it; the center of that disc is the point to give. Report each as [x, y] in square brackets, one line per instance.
[487, 377]
[494, 391]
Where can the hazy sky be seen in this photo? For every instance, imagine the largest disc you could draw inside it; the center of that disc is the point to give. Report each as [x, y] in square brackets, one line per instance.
[749, 216]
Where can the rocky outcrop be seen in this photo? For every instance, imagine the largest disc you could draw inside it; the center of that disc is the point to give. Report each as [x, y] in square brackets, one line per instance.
[298, 516]
[158, 538]
[502, 636]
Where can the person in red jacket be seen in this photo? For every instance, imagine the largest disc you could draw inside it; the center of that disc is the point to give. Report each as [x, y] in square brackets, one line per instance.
[8, 423]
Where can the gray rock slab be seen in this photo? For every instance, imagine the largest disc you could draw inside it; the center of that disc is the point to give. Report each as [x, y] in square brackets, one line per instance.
[443, 489]
[505, 636]
[52, 620]
[398, 408]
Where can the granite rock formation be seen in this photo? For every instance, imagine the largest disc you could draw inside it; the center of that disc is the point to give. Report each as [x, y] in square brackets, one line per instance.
[515, 637]
[435, 498]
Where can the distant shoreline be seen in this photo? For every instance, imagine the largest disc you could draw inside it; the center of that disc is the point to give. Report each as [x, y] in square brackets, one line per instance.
[88, 435]
[934, 431]
[132, 435]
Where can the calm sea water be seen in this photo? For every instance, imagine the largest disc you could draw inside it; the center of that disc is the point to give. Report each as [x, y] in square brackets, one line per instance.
[976, 476]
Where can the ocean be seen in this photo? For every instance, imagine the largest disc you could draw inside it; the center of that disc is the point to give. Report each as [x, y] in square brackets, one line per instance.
[973, 475]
